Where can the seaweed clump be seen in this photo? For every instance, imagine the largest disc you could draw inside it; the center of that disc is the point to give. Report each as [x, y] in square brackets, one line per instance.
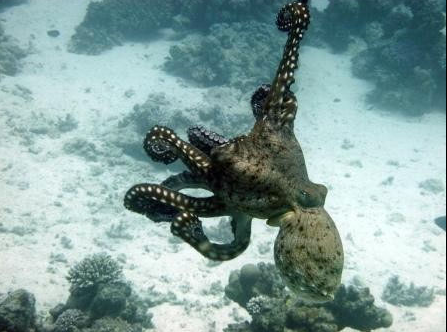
[100, 300]
[260, 291]
[399, 294]
[405, 49]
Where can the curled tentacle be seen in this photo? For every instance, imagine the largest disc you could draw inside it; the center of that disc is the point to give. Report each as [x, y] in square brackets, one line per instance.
[205, 140]
[188, 227]
[197, 161]
[159, 151]
[258, 100]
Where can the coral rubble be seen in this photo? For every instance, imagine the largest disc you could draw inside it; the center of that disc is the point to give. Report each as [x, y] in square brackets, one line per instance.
[400, 294]
[273, 309]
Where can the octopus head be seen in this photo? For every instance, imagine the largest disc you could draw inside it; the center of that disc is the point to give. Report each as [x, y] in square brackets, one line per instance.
[309, 253]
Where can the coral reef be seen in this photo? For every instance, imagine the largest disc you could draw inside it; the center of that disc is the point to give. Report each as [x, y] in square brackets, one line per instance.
[405, 49]
[111, 22]
[400, 294]
[273, 309]
[10, 54]
[100, 300]
[238, 54]
[18, 312]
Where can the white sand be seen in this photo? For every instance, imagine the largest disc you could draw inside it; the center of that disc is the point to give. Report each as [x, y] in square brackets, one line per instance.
[51, 194]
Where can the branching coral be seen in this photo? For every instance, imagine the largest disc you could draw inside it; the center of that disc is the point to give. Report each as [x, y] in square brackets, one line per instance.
[93, 271]
[400, 294]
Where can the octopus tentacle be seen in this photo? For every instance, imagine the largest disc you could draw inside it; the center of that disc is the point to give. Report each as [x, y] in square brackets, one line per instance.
[152, 199]
[185, 180]
[158, 211]
[197, 161]
[280, 108]
[188, 227]
[204, 139]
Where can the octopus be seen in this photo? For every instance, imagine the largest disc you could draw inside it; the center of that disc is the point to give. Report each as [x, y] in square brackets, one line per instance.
[260, 175]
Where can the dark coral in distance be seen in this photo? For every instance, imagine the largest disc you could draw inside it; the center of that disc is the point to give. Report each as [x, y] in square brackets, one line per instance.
[111, 22]
[405, 49]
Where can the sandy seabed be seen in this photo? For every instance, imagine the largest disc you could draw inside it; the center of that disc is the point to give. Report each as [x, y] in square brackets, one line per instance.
[372, 161]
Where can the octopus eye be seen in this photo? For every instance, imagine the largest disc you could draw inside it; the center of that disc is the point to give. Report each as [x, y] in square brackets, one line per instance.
[305, 199]
[305, 194]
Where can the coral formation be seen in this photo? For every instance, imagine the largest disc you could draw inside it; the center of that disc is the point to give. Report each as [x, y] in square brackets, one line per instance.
[10, 54]
[18, 312]
[100, 300]
[399, 294]
[70, 320]
[254, 281]
[405, 49]
[111, 22]
[260, 291]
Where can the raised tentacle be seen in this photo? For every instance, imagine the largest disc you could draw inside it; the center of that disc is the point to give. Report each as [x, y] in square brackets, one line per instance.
[204, 139]
[280, 109]
[197, 161]
[188, 227]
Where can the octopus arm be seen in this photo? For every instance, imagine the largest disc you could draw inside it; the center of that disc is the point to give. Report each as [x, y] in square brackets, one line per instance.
[281, 104]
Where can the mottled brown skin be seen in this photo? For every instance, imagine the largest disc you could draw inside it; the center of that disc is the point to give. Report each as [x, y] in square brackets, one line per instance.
[261, 175]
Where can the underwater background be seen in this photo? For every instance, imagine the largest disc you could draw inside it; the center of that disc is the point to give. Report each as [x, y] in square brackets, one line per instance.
[81, 82]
